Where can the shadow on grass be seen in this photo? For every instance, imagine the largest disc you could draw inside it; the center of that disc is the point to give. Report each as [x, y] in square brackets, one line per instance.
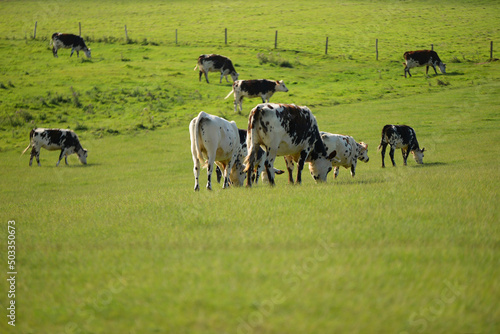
[430, 164]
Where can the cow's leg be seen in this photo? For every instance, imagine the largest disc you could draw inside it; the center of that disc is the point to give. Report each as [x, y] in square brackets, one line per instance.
[289, 167]
[196, 172]
[391, 154]
[384, 146]
[72, 50]
[34, 153]
[271, 156]
[206, 75]
[353, 169]
[336, 171]
[210, 169]
[434, 67]
[63, 154]
[199, 77]
[54, 51]
[405, 153]
[427, 69]
[300, 165]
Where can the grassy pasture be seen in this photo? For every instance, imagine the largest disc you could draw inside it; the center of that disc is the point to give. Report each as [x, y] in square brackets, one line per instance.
[124, 245]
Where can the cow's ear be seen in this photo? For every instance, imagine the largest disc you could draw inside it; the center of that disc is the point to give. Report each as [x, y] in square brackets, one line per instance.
[332, 155]
[423, 149]
[365, 145]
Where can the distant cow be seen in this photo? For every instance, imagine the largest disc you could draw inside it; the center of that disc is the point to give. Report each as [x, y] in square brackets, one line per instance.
[285, 130]
[344, 151]
[403, 137]
[66, 41]
[216, 63]
[216, 140]
[56, 139]
[255, 88]
[423, 58]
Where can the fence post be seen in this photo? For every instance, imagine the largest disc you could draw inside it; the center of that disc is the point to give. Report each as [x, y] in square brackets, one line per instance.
[34, 32]
[175, 36]
[225, 36]
[80, 29]
[376, 49]
[491, 50]
[326, 46]
[432, 47]
[276, 40]
[126, 34]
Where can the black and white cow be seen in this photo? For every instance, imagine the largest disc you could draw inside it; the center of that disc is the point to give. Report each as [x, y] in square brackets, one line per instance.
[285, 130]
[216, 63]
[255, 88]
[403, 137]
[343, 151]
[215, 140]
[66, 41]
[56, 139]
[423, 58]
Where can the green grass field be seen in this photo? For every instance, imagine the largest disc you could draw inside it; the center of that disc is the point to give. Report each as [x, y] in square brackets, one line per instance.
[124, 244]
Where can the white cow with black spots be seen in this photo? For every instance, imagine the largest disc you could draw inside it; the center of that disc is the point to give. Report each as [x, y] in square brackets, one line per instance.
[215, 140]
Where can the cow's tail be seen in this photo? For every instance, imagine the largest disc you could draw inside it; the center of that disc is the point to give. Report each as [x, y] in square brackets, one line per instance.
[195, 67]
[231, 92]
[32, 132]
[382, 141]
[253, 147]
[197, 137]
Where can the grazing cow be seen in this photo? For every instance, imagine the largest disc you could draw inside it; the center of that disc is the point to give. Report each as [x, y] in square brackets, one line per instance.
[259, 163]
[287, 130]
[255, 88]
[403, 137]
[216, 63]
[423, 58]
[66, 41]
[344, 151]
[216, 140]
[56, 139]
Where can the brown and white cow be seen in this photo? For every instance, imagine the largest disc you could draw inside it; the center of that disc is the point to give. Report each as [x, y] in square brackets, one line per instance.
[403, 137]
[215, 140]
[66, 41]
[255, 88]
[285, 130]
[423, 58]
[56, 139]
[216, 63]
[343, 151]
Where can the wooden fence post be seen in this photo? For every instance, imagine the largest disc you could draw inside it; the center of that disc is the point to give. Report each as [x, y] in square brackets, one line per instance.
[80, 29]
[376, 49]
[432, 47]
[276, 40]
[225, 36]
[326, 46]
[491, 50]
[126, 34]
[34, 32]
[175, 36]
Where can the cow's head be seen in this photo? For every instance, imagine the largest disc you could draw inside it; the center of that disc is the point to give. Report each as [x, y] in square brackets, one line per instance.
[234, 76]
[442, 67]
[418, 155]
[82, 156]
[320, 168]
[362, 151]
[280, 86]
[87, 52]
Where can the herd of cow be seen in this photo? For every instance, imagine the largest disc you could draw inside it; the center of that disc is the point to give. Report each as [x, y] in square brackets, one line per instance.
[283, 130]
[273, 130]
